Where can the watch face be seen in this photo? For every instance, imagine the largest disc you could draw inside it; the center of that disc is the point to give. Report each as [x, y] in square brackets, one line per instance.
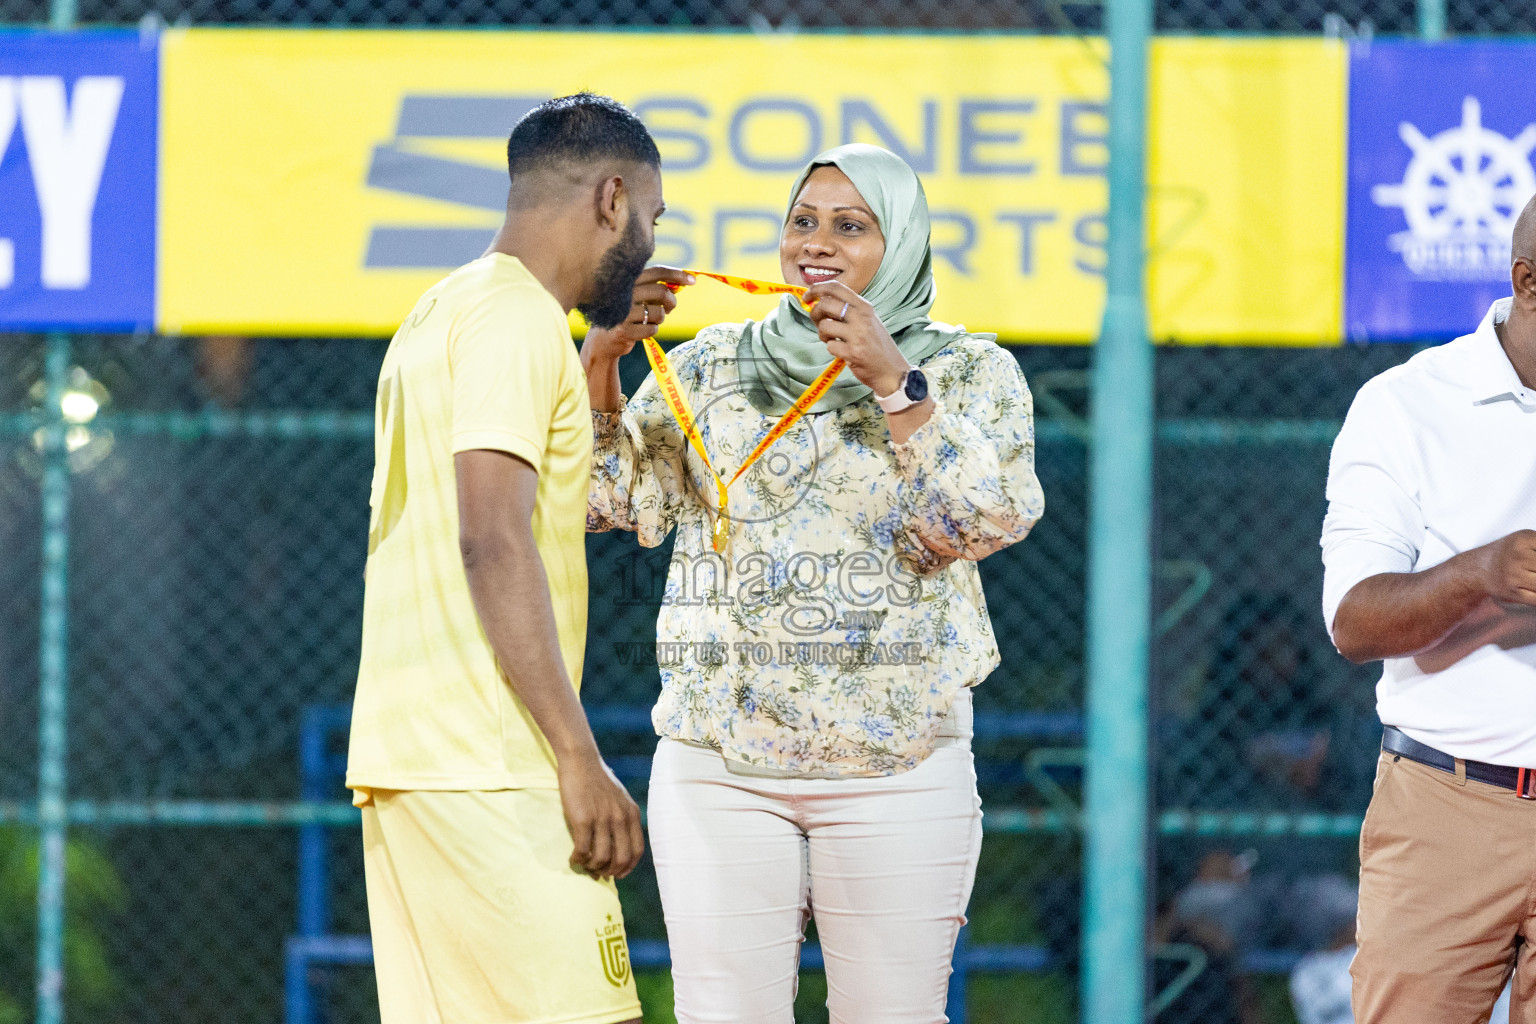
[917, 385]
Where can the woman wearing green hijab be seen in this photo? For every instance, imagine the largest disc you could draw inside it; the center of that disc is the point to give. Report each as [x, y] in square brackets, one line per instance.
[815, 706]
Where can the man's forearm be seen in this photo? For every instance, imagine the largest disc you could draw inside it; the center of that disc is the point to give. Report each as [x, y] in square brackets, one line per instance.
[1399, 614]
[511, 594]
[603, 385]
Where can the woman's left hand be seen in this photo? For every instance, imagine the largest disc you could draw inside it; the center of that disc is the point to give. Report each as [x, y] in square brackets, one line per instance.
[852, 330]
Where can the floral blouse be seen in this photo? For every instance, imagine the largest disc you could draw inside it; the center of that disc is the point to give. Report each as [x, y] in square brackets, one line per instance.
[831, 636]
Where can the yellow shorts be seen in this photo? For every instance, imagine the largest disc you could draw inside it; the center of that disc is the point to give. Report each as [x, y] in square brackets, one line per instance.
[478, 917]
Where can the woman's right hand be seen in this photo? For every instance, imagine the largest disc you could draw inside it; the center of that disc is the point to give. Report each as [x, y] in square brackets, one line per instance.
[601, 350]
[652, 301]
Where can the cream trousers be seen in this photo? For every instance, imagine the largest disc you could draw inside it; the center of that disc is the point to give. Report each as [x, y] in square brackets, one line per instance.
[884, 864]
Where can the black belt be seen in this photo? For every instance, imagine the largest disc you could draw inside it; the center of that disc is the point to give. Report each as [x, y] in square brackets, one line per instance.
[1521, 780]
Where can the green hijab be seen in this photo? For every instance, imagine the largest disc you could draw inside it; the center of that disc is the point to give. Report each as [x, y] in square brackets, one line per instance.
[780, 357]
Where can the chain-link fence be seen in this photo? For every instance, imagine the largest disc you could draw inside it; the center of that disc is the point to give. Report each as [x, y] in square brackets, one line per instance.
[216, 545]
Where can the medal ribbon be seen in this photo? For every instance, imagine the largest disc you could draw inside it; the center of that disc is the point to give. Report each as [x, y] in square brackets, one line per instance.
[746, 284]
[672, 393]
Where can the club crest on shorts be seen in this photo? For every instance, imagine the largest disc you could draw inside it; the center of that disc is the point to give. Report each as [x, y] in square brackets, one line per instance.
[614, 952]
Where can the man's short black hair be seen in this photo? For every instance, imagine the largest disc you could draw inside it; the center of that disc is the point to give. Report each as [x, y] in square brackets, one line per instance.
[580, 128]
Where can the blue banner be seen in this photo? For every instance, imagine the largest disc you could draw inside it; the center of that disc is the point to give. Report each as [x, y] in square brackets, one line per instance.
[78, 118]
[1440, 164]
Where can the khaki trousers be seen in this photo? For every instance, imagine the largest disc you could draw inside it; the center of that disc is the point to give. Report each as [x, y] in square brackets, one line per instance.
[1447, 899]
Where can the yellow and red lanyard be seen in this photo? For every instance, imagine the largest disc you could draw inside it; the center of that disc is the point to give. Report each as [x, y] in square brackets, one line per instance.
[677, 402]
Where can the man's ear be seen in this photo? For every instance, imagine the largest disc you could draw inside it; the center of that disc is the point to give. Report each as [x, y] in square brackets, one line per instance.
[613, 203]
[1522, 276]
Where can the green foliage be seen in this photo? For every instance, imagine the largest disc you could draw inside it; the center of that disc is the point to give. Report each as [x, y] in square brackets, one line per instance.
[811, 998]
[1274, 998]
[655, 989]
[1020, 999]
[93, 892]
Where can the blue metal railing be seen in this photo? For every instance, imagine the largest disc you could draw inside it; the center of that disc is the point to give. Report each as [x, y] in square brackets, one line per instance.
[314, 947]
[320, 771]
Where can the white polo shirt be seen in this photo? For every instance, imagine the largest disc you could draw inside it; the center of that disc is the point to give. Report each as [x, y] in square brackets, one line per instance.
[1438, 456]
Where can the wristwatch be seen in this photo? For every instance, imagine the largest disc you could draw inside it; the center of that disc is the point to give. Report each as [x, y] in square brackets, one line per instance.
[914, 388]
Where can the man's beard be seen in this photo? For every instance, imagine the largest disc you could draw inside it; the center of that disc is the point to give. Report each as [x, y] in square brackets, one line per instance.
[613, 285]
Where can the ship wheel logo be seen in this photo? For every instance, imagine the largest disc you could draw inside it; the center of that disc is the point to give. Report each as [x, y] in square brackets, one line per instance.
[1462, 191]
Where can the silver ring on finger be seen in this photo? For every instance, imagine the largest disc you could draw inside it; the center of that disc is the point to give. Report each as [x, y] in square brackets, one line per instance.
[646, 310]
[844, 314]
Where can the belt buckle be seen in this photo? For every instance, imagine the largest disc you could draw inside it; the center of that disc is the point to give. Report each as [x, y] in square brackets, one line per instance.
[1525, 783]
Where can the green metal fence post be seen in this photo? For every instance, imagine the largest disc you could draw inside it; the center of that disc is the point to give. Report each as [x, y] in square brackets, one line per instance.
[53, 658]
[53, 680]
[1119, 564]
[62, 14]
[1432, 20]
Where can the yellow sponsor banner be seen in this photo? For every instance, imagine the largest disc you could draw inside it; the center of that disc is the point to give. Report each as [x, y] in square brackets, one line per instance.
[1245, 211]
[318, 182]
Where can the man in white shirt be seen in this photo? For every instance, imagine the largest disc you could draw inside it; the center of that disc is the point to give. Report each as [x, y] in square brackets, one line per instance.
[1429, 548]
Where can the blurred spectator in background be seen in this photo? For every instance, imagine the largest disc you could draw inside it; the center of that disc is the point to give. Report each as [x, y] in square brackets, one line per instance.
[1270, 910]
[1267, 728]
[1265, 703]
[1221, 898]
[1230, 909]
[224, 369]
[1213, 914]
[1320, 982]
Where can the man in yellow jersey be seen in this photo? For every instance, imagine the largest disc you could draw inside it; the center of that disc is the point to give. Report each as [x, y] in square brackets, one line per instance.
[492, 829]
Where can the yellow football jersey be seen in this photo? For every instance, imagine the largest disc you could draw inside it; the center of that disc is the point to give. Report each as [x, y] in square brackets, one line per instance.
[485, 360]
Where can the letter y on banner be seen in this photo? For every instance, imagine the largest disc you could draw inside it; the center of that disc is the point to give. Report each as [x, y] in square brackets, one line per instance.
[78, 117]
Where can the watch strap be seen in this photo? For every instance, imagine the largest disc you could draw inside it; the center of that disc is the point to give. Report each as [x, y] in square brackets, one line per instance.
[896, 401]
